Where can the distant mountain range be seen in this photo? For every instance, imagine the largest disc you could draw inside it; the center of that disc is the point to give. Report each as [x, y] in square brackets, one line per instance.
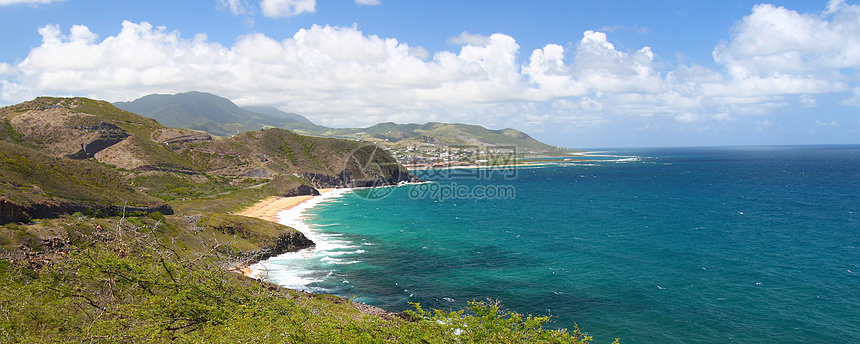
[211, 113]
[220, 116]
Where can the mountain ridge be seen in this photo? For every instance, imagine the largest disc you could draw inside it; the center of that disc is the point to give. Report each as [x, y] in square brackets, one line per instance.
[219, 116]
[207, 112]
[277, 113]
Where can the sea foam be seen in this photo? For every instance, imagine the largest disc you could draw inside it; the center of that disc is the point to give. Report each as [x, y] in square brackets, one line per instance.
[302, 269]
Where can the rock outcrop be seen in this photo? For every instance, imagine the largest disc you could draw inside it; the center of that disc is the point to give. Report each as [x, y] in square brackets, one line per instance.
[348, 179]
[302, 190]
[286, 242]
[108, 135]
[13, 212]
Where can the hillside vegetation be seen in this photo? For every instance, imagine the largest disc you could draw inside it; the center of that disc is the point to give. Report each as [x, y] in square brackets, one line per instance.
[114, 228]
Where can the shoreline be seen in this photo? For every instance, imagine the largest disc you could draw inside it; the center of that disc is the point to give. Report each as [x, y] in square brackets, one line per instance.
[489, 167]
[287, 211]
[270, 209]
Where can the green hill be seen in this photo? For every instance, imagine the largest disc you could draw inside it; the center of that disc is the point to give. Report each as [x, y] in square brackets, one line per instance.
[275, 112]
[207, 112]
[79, 152]
[219, 116]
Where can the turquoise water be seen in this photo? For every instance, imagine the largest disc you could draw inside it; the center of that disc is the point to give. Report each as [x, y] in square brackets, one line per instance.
[694, 245]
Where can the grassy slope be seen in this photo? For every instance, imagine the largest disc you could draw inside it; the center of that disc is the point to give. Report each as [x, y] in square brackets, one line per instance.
[31, 176]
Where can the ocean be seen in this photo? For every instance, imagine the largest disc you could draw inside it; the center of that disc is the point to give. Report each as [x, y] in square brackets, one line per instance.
[680, 245]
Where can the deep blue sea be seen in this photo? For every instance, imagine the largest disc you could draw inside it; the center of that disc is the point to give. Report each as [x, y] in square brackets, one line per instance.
[682, 245]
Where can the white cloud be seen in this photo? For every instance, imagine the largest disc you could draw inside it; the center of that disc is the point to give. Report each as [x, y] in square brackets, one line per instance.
[369, 2]
[469, 38]
[341, 76]
[687, 117]
[287, 8]
[854, 100]
[831, 124]
[236, 6]
[27, 2]
[763, 125]
[601, 67]
[775, 50]
[331, 71]
[546, 69]
[807, 100]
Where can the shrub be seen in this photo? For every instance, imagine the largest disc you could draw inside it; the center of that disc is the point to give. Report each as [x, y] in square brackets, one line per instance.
[156, 216]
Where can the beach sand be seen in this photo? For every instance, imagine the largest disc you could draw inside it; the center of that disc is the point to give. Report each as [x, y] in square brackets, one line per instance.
[268, 210]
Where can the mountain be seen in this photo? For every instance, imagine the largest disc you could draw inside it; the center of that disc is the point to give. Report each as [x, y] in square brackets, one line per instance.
[206, 112]
[77, 154]
[219, 116]
[277, 113]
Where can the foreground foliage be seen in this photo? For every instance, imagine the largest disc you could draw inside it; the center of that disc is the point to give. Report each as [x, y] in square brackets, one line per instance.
[130, 285]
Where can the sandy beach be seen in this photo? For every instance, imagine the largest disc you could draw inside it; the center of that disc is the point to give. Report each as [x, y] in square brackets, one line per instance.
[268, 210]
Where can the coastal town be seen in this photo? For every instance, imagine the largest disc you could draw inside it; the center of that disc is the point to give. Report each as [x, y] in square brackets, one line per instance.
[427, 156]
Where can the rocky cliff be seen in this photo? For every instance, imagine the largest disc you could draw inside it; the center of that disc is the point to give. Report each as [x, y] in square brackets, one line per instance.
[13, 212]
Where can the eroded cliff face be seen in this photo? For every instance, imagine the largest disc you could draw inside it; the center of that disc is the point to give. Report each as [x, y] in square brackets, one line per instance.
[349, 179]
[286, 242]
[13, 212]
[302, 190]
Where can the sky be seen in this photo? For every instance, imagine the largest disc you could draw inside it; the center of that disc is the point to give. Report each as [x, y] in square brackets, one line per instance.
[571, 73]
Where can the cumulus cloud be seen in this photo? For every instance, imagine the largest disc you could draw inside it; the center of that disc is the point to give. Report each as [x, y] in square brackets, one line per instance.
[344, 77]
[27, 2]
[775, 50]
[320, 70]
[287, 8]
[604, 68]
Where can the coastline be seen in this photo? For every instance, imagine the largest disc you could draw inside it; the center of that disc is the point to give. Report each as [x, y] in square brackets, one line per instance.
[289, 269]
[288, 211]
[271, 209]
[268, 208]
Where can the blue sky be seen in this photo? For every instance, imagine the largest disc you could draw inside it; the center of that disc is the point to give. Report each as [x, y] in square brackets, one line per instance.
[577, 74]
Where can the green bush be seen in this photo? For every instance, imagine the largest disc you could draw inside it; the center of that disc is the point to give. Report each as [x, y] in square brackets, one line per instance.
[156, 216]
[133, 288]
